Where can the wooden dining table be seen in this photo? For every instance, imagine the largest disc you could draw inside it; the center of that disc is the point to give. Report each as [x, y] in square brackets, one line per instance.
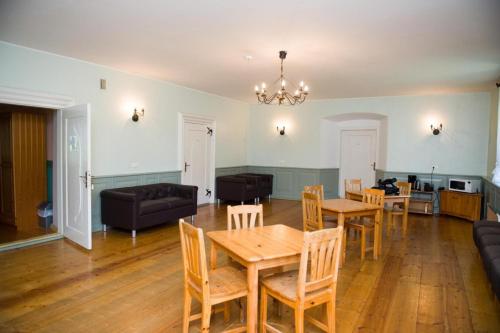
[257, 248]
[346, 208]
[388, 199]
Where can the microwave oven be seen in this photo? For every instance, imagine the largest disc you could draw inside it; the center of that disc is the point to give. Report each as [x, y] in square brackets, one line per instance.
[464, 185]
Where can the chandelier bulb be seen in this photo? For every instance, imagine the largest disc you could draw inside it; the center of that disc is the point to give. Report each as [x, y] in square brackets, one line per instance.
[256, 88]
[302, 84]
[296, 93]
[283, 83]
[263, 85]
[306, 89]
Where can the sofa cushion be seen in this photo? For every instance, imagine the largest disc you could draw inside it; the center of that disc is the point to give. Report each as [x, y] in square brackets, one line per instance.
[494, 275]
[480, 232]
[487, 240]
[481, 225]
[156, 205]
[490, 253]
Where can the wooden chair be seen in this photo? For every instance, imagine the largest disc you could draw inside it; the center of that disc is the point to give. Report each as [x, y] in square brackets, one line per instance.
[210, 288]
[352, 185]
[375, 197]
[318, 190]
[396, 209]
[311, 212]
[313, 284]
[244, 216]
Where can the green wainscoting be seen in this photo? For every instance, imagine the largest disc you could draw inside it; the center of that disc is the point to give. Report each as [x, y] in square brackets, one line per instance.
[101, 183]
[491, 194]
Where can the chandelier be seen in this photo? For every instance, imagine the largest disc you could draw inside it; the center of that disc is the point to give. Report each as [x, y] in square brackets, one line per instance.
[282, 96]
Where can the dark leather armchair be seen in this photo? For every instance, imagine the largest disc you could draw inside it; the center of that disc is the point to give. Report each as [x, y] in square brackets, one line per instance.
[138, 207]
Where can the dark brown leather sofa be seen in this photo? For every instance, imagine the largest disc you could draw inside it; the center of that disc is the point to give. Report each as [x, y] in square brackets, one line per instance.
[486, 236]
[138, 207]
[244, 187]
[264, 183]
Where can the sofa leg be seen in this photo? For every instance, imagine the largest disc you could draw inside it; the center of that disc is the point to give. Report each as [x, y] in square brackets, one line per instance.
[104, 228]
[269, 198]
[218, 202]
[133, 233]
[192, 219]
[243, 202]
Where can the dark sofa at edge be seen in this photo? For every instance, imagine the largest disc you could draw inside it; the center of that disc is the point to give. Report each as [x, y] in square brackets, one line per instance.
[244, 186]
[486, 236]
[138, 207]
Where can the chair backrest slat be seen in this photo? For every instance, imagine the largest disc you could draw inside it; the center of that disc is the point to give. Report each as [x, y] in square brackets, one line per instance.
[374, 196]
[319, 261]
[316, 189]
[311, 212]
[194, 258]
[352, 185]
[244, 216]
[404, 188]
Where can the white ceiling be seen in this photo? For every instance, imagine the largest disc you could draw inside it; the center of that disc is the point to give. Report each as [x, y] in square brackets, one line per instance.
[340, 48]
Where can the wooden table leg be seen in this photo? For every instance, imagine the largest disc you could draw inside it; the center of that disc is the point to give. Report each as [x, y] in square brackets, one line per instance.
[377, 239]
[405, 215]
[213, 257]
[340, 222]
[252, 298]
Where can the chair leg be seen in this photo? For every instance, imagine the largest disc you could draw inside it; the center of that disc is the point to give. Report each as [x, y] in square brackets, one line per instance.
[363, 243]
[330, 315]
[206, 311]
[299, 319]
[187, 312]
[389, 224]
[263, 309]
[227, 311]
[344, 247]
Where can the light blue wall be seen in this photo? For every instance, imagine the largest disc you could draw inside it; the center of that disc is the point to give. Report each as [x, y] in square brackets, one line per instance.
[117, 141]
[460, 149]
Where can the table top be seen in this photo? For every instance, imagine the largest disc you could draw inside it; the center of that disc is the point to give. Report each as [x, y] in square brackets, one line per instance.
[385, 196]
[260, 243]
[347, 206]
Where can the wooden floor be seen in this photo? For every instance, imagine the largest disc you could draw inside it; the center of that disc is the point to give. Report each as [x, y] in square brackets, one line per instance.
[430, 281]
[10, 234]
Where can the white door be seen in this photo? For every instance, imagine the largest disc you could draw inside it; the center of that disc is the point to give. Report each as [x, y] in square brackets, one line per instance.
[197, 154]
[76, 186]
[357, 157]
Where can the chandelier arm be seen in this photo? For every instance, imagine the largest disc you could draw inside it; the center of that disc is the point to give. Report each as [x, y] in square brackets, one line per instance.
[287, 95]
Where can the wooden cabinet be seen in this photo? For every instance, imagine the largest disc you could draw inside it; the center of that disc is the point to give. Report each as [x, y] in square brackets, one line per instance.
[464, 205]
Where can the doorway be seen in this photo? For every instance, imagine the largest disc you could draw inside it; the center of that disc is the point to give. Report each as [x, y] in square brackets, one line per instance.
[71, 208]
[198, 154]
[26, 172]
[358, 153]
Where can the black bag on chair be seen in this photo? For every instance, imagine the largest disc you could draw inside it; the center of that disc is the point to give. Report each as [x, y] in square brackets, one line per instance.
[388, 186]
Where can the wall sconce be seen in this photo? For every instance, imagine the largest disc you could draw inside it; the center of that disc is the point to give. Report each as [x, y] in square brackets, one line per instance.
[281, 131]
[436, 129]
[135, 116]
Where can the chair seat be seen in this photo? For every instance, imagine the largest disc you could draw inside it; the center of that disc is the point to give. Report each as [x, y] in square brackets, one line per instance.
[227, 283]
[285, 284]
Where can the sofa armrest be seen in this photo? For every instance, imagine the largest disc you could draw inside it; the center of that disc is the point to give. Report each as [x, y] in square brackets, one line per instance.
[119, 209]
[187, 191]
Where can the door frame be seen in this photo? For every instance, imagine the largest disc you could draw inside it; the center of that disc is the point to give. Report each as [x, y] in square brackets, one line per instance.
[377, 144]
[26, 97]
[184, 118]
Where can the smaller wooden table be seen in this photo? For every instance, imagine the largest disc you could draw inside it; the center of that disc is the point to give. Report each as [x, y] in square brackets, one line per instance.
[343, 208]
[389, 199]
[257, 248]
